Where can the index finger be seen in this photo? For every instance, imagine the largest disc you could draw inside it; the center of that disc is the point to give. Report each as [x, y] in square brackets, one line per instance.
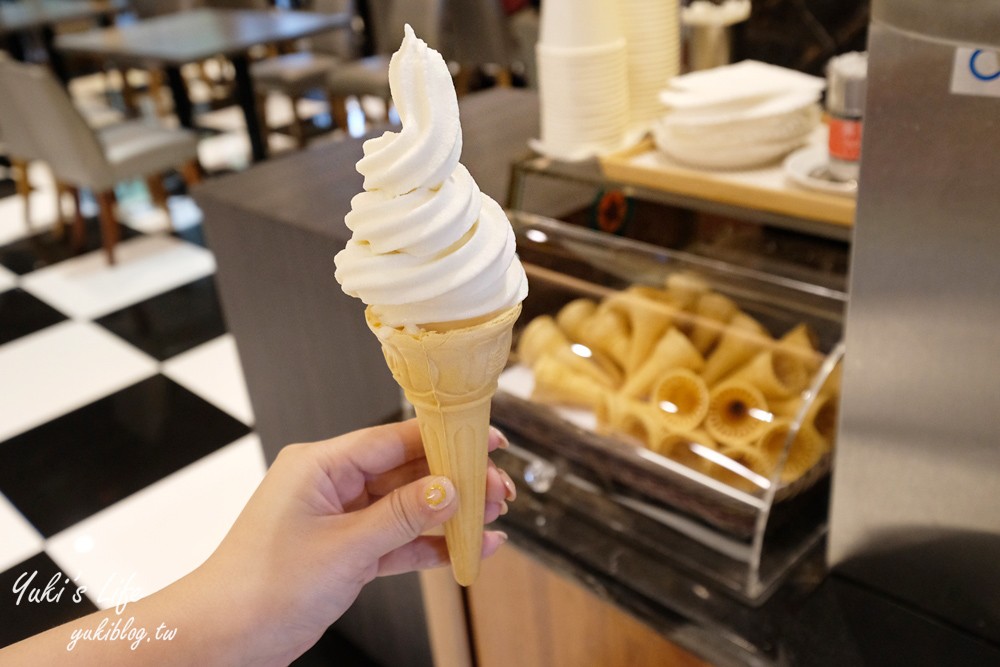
[379, 449]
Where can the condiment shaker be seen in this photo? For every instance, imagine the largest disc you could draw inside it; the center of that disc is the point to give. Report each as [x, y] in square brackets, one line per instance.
[846, 77]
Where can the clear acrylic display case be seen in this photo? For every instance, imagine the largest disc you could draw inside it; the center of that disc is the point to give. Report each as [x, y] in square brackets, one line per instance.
[719, 466]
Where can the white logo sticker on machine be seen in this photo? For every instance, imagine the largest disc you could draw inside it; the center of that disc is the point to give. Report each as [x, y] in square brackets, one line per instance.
[976, 72]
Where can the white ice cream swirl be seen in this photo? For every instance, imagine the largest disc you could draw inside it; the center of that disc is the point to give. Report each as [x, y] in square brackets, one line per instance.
[427, 245]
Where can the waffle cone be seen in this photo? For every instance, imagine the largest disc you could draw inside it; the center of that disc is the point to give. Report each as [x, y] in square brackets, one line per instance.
[677, 445]
[560, 383]
[450, 376]
[608, 332]
[777, 374]
[574, 317]
[648, 316]
[787, 408]
[742, 339]
[687, 396]
[832, 385]
[712, 312]
[685, 289]
[540, 336]
[673, 350]
[543, 337]
[800, 342]
[626, 416]
[805, 451]
[821, 418]
[731, 415]
[752, 462]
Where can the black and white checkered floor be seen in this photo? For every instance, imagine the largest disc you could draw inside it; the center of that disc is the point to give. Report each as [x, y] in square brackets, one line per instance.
[126, 434]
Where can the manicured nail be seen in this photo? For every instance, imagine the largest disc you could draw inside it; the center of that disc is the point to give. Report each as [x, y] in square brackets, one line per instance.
[503, 508]
[503, 536]
[438, 493]
[496, 433]
[508, 484]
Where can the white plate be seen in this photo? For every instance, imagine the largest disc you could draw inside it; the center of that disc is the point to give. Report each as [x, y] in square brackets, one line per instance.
[805, 167]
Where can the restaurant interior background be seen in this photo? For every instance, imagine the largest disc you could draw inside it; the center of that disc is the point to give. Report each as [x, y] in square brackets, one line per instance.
[128, 438]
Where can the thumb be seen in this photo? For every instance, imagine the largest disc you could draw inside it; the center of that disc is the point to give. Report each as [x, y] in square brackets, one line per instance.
[406, 513]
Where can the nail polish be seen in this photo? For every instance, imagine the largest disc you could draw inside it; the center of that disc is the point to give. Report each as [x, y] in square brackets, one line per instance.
[508, 484]
[504, 442]
[437, 495]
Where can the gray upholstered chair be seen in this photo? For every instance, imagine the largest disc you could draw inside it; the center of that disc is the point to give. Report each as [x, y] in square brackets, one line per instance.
[16, 144]
[476, 33]
[81, 157]
[300, 72]
[17, 141]
[370, 76]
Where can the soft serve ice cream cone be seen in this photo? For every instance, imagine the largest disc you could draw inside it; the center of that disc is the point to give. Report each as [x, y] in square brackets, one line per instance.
[434, 259]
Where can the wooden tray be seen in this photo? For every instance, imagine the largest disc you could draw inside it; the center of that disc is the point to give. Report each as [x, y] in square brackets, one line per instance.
[764, 189]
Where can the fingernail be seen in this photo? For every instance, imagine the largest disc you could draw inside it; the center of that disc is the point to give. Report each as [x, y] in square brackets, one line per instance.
[439, 493]
[503, 536]
[503, 508]
[508, 484]
[504, 442]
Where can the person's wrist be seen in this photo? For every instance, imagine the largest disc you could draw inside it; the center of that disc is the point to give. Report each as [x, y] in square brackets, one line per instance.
[235, 617]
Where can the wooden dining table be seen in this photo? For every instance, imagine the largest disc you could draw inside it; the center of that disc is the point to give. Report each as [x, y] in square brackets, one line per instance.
[174, 40]
[22, 18]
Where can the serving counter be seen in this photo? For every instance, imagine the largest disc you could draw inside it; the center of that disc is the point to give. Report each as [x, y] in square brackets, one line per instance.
[574, 586]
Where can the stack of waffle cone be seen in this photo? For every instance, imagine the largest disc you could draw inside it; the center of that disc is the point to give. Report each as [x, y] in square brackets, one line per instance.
[449, 373]
[687, 365]
[673, 350]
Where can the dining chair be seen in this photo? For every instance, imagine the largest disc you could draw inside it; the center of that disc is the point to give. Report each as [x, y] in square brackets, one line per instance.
[82, 157]
[21, 148]
[476, 34]
[297, 73]
[370, 75]
[18, 147]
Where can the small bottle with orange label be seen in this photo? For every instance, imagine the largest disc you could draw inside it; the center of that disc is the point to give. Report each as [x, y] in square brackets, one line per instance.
[846, 77]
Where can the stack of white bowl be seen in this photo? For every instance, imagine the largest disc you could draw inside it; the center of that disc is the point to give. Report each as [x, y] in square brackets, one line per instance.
[653, 44]
[738, 116]
[582, 79]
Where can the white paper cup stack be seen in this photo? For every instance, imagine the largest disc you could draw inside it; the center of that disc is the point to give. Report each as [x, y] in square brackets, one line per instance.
[582, 79]
[653, 43]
